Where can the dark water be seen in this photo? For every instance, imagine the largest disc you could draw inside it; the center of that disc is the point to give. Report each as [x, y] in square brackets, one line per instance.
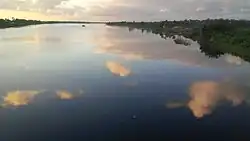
[68, 83]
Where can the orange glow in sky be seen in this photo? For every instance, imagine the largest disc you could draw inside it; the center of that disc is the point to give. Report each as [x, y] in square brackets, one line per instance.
[27, 15]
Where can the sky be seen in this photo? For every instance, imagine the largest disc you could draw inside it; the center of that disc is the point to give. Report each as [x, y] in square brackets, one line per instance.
[116, 10]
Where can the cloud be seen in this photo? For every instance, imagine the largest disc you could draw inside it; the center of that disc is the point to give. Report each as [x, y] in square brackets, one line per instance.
[164, 10]
[19, 98]
[205, 96]
[65, 95]
[134, 9]
[117, 68]
[4, 13]
[200, 9]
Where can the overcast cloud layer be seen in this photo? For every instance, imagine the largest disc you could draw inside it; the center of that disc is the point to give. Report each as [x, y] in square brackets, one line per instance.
[102, 10]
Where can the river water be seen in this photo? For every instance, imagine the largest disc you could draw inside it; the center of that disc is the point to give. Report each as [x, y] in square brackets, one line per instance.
[69, 83]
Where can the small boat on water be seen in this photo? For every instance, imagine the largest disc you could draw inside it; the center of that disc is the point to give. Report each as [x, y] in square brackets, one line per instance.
[83, 26]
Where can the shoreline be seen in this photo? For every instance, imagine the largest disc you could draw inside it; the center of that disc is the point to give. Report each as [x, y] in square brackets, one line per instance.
[17, 23]
[215, 36]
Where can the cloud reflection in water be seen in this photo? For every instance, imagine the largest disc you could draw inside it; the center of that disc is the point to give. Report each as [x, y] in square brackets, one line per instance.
[205, 96]
[65, 95]
[19, 98]
[117, 69]
[36, 39]
[25, 97]
[134, 46]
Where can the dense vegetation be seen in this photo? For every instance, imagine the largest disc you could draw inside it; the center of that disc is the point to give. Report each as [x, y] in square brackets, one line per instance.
[216, 37]
[5, 23]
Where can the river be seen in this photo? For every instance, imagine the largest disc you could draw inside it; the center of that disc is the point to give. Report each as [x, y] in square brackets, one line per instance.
[68, 83]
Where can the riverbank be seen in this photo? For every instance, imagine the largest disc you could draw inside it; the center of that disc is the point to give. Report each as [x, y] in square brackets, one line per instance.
[7, 23]
[14, 23]
[216, 37]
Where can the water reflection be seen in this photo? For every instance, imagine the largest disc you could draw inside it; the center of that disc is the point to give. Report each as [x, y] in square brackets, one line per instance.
[205, 96]
[233, 59]
[31, 39]
[153, 48]
[19, 98]
[65, 95]
[26, 97]
[117, 69]
[142, 71]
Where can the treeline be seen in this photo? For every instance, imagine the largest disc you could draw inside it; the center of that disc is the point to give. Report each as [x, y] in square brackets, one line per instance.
[220, 38]
[184, 23]
[7, 23]
[215, 36]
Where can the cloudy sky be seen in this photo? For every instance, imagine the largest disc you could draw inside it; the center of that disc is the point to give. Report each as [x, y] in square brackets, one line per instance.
[103, 10]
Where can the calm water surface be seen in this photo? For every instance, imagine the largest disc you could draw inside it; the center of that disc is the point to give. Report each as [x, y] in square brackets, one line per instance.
[68, 83]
